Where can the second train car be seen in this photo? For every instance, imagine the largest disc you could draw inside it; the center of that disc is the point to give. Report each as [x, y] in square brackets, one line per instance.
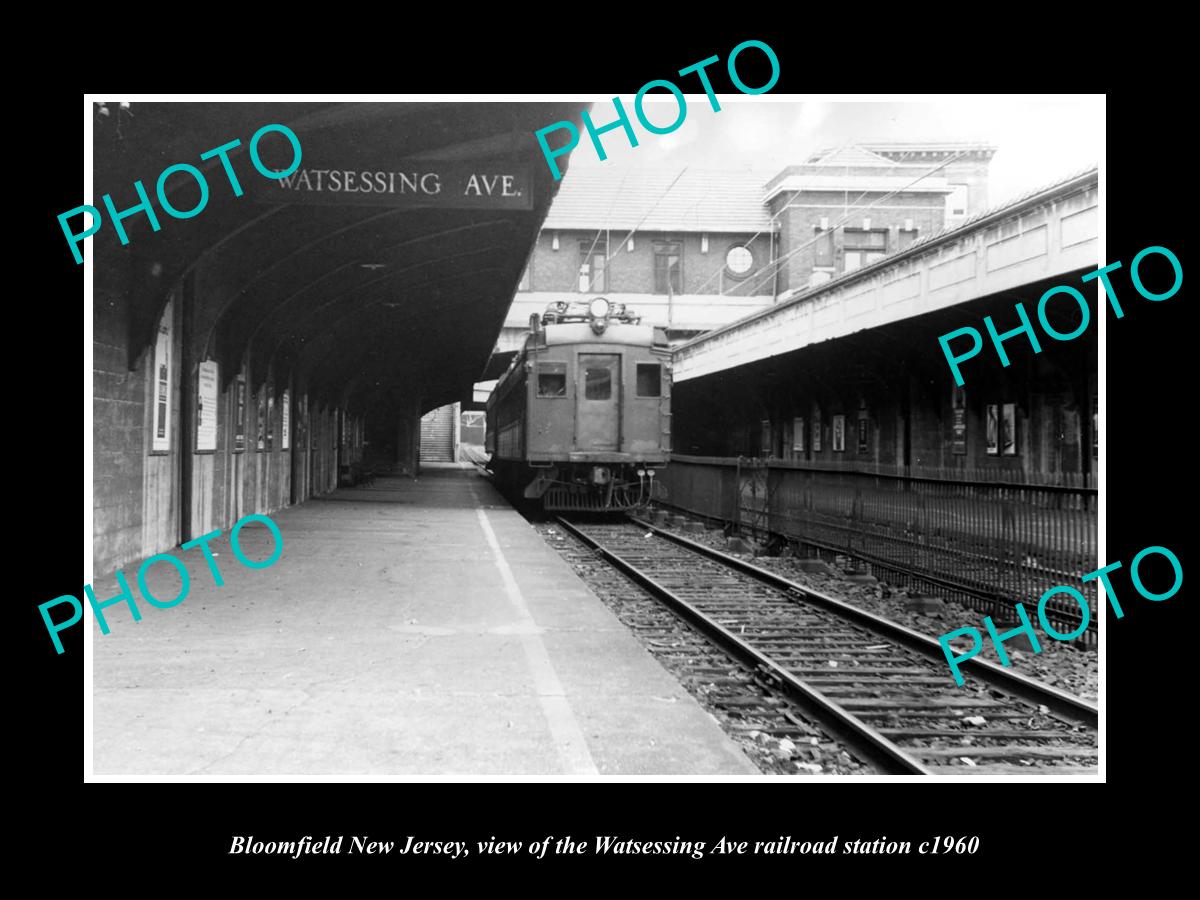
[582, 418]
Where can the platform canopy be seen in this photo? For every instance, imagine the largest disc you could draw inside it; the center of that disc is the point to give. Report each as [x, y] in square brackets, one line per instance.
[386, 261]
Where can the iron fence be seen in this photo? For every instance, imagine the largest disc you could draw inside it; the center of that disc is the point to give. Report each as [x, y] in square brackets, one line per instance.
[991, 543]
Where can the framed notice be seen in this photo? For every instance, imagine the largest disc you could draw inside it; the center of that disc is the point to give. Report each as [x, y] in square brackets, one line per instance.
[993, 429]
[285, 433]
[207, 385]
[958, 422]
[839, 434]
[798, 434]
[160, 433]
[261, 441]
[958, 432]
[1008, 429]
[239, 415]
[1095, 426]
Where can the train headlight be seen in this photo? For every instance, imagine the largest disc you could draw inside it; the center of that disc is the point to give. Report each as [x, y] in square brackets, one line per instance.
[599, 308]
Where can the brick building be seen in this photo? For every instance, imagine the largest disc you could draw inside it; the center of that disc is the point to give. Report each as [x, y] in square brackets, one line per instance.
[693, 250]
[687, 249]
[846, 208]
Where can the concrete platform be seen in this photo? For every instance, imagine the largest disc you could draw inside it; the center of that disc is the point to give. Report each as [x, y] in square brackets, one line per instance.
[409, 628]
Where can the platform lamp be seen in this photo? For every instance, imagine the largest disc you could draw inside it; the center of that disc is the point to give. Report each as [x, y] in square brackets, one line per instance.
[104, 116]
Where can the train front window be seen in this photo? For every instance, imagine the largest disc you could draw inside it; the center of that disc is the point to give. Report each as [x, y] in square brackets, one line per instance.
[552, 380]
[649, 380]
[597, 384]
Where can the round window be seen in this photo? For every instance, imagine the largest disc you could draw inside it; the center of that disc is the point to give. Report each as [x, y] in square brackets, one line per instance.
[739, 260]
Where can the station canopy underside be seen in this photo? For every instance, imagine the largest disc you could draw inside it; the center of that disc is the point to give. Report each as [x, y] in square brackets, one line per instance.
[400, 288]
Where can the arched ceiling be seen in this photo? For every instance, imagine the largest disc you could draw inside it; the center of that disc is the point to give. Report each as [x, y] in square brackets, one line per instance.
[351, 294]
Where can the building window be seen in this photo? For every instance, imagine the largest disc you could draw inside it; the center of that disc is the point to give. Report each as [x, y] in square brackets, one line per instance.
[649, 380]
[552, 380]
[598, 383]
[739, 260]
[864, 247]
[907, 236]
[824, 248]
[668, 268]
[956, 202]
[592, 274]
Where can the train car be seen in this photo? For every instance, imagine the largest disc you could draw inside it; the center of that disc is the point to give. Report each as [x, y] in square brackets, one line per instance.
[582, 418]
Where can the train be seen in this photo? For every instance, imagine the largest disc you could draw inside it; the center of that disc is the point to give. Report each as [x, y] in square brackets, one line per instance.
[581, 421]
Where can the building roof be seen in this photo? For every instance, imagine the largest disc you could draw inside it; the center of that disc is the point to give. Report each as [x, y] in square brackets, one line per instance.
[852, 155]
[645, 199]
[916, 150]
[792, 297]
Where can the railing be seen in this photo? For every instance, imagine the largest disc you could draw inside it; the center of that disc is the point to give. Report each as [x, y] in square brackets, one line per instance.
[991, 543]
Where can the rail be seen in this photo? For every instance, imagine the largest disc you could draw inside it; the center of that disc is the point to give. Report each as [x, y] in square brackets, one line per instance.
[878, 687]
[990, 543]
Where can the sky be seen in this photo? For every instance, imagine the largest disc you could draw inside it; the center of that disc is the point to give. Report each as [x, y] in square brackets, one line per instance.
[1038, 140]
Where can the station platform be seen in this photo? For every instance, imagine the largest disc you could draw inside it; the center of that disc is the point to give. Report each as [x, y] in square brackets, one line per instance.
[412, 627]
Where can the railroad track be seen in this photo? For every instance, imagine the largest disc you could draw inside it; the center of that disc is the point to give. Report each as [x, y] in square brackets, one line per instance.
[882, 689]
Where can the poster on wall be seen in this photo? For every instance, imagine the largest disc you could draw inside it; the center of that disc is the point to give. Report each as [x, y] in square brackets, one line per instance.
[839, 434]
[1095, 426]
[261, 409]
[207, 384]
[993, 429]
[958, 422]
[766, 438]
[285, 434]
[862, 433]
[239, 416]
[958, 432]
[817, 425]
[161, 432]
[270, 419]
[798, 435]
[1008, 430]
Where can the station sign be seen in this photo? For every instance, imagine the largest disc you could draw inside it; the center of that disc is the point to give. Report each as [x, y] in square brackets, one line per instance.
[430, 184]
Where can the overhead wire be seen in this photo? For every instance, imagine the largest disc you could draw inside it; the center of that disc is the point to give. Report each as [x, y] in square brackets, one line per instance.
[661, 197]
